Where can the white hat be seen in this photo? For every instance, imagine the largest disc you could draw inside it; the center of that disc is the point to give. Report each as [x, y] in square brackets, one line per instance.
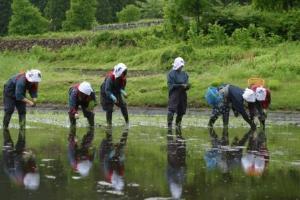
[33, 75]
[178, 62]
[261, 93]
[176, 190]
[253, 164]
[119, 69]
[85, 87]
[83, 167]
[117, 181]
[249, 95]
[31, 181]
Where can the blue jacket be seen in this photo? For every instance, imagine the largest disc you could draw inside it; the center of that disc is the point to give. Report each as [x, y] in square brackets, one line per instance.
[175, 79]
[17, 85]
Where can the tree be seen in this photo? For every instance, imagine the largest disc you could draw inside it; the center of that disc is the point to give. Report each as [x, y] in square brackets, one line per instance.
[5, 14]
[40, 4]
[55, 11]
[26, 19]
[152, 8]
[107, 9]
[129, 14]
[81, 15]
[276, 4]
[104, 13]
[173, 20]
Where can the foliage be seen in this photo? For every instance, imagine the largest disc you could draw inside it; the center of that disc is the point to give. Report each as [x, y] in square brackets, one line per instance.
[151, 8]
[174, 23]
[276, 4]
[81, 15]
[40, 4]
[5, 14]
[55, 11]
[107, 10]
[26, 19]
[129, 14]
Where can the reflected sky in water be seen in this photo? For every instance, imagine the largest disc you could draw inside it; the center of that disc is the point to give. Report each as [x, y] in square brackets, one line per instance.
[150, 163]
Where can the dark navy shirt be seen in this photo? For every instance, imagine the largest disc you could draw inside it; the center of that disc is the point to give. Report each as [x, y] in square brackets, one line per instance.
[75, 101]
[175, 78]
[16, 87]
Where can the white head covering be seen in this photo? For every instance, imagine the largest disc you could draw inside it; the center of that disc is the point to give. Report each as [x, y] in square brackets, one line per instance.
[83, 167]
[178, 62]
[261, 93]
[33, 75]
[31, 181]
[119, 69]
[117, 181]
[85, 87]
[176, 190]
[249, 95]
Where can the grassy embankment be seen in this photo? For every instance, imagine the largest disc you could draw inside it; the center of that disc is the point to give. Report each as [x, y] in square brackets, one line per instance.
[149, 54]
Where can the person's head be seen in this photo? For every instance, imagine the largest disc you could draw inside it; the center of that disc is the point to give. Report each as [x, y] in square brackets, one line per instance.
[120, 70]
[33, 76]
[85, 88]
[178, 63]
[249, 95]
[84, 167]
[31, 180]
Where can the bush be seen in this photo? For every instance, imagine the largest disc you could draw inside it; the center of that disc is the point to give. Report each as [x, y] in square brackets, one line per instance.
[81, 15]
[26, 19]
[129, 14]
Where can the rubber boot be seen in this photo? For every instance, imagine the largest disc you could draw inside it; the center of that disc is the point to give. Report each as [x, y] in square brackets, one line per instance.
[109, 119]
[178, 124]
[170, 121]
[6, 120]
[91, 121]
[72, 132]
[124, 112]
[22, 122]
[224, 140]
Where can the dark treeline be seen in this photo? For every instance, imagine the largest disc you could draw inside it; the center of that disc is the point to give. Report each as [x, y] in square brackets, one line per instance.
[24, 17]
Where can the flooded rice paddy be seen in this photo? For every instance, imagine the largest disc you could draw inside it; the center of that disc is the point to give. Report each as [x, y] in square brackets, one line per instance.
[145, 162]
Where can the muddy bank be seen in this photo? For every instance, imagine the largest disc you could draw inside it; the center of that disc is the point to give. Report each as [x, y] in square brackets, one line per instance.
[27, 44]
[103, 72]
[275, 117]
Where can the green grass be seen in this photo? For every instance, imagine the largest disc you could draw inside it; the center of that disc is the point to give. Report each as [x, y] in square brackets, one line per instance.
[148, 56]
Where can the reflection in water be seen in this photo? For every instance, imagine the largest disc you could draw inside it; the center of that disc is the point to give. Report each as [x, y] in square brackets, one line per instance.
[112, 158]
[255, 160]
[19, 163]
[81, 156]
[176, 167]
[225, 158]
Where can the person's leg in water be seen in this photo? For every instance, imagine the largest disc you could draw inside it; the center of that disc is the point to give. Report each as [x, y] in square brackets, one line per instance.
[170, 121]
[72, 132]
[21, 107]
[178, 124]
[123, 107]
[9, 107]
[89, 115]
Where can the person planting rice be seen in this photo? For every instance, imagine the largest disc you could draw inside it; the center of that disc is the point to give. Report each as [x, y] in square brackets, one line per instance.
[81, 94]
[178, 84]
[14, 95]
[112, 92]
[223, 98]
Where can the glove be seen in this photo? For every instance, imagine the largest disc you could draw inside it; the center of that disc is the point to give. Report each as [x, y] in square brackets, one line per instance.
[113, 98]
[76, 116]
[124, 93]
